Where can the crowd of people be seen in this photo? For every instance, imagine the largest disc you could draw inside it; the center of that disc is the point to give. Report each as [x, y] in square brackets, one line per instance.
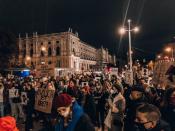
[89, 102]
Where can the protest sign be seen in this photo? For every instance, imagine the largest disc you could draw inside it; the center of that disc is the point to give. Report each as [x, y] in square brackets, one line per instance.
[43, 100]
[13, 93]
[24, 98]
[1, 95]
[114, 71]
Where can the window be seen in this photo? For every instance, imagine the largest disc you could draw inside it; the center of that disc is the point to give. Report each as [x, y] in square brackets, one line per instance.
[58, 64]
[58, 51]
[31, 52]
[42, 54]
[49, 42]
[50, 62]
[57, 41]
[49, 51]
[73, 50]
[24, 53]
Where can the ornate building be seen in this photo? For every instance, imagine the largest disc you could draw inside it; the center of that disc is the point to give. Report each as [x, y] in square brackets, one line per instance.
[60, 50]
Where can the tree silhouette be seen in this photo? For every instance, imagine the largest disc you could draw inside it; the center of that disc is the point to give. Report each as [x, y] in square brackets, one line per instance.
[8, 49]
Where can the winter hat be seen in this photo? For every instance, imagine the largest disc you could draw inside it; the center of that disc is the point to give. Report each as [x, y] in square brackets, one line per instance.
[63, 100]
[138, 88]
[8, 123]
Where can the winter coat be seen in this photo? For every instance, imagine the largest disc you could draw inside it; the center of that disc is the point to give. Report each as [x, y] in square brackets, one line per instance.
[80, 121]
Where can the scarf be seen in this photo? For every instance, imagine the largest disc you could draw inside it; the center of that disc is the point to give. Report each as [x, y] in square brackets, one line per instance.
[77, 112]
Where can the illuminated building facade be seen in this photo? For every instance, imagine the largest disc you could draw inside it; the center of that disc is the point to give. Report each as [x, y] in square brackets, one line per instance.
[60, 50]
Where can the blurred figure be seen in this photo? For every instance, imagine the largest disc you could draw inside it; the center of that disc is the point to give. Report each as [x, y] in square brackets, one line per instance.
[135, 99]
[71, 115]
[88, 104]
[148, 118]
[168, 110]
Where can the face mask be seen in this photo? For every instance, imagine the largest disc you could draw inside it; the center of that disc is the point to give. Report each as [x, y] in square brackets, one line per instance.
[172, 101]
[140, 126]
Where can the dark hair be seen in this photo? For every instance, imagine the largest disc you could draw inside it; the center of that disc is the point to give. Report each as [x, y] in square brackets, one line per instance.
[74, 81]
[152, 112]
[167, 95]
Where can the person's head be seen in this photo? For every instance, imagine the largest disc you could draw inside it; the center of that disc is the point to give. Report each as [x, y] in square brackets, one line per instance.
[8, 123]
[136, 92]
[107, 85]
[72, 83]
[85, 90]
[142, 81]
[63, 104]
[147, 116]
[118, 88]
[170, 97]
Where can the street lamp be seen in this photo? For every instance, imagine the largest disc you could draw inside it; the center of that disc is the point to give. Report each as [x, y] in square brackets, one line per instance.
[122, 31]
[169, 49]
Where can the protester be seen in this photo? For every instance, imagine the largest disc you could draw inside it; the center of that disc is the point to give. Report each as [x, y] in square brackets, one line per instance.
[117, 107]
[148, 117]
[72, 117]
[88, 104]
[168, 109]
[135, 99]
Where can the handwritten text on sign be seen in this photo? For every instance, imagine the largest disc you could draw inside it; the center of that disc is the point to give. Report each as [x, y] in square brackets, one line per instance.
[43, 100]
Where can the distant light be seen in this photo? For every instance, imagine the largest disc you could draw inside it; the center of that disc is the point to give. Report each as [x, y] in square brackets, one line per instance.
[158, 56]
[122, 31]
[43, 48]
[129, 20]
[166, 57]
[136, 29]
[28, 58]
[168, 49]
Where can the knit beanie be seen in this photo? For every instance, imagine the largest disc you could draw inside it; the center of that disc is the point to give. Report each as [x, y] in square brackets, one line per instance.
[63, 100]
[8, 123]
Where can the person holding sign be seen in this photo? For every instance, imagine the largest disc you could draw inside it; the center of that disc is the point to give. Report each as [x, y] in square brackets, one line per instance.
[71, 115]
[1, 100]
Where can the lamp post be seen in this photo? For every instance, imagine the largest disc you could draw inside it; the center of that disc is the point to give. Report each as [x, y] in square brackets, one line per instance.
[170, 49]
[130, 62]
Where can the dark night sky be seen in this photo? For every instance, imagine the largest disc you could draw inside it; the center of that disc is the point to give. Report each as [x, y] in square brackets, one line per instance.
[95, 20]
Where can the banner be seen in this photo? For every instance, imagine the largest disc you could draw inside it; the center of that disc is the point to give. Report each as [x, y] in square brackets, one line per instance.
[43, 100]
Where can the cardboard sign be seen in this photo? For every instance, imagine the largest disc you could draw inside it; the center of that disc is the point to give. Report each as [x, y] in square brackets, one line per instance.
[13, 93]
[24, 98]
[97, 78]
[84, 84]
[114, 71]
[1, 95]
[128, 76]
[43, 100]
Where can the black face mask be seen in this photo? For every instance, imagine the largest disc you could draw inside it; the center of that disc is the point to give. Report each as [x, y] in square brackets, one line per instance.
[141, 127]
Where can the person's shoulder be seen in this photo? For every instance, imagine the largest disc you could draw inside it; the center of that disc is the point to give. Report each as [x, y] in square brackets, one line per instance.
[84, 123]
[164, 126]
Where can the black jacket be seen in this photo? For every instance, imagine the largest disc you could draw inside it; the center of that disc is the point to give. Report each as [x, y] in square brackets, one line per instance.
[84, 124]
[161, 126]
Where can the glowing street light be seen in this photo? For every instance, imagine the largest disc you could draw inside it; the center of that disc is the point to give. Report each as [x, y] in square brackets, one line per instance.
[169, 49]
[43, 48]
[159, 56]
[122, 31]
[28, 58]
